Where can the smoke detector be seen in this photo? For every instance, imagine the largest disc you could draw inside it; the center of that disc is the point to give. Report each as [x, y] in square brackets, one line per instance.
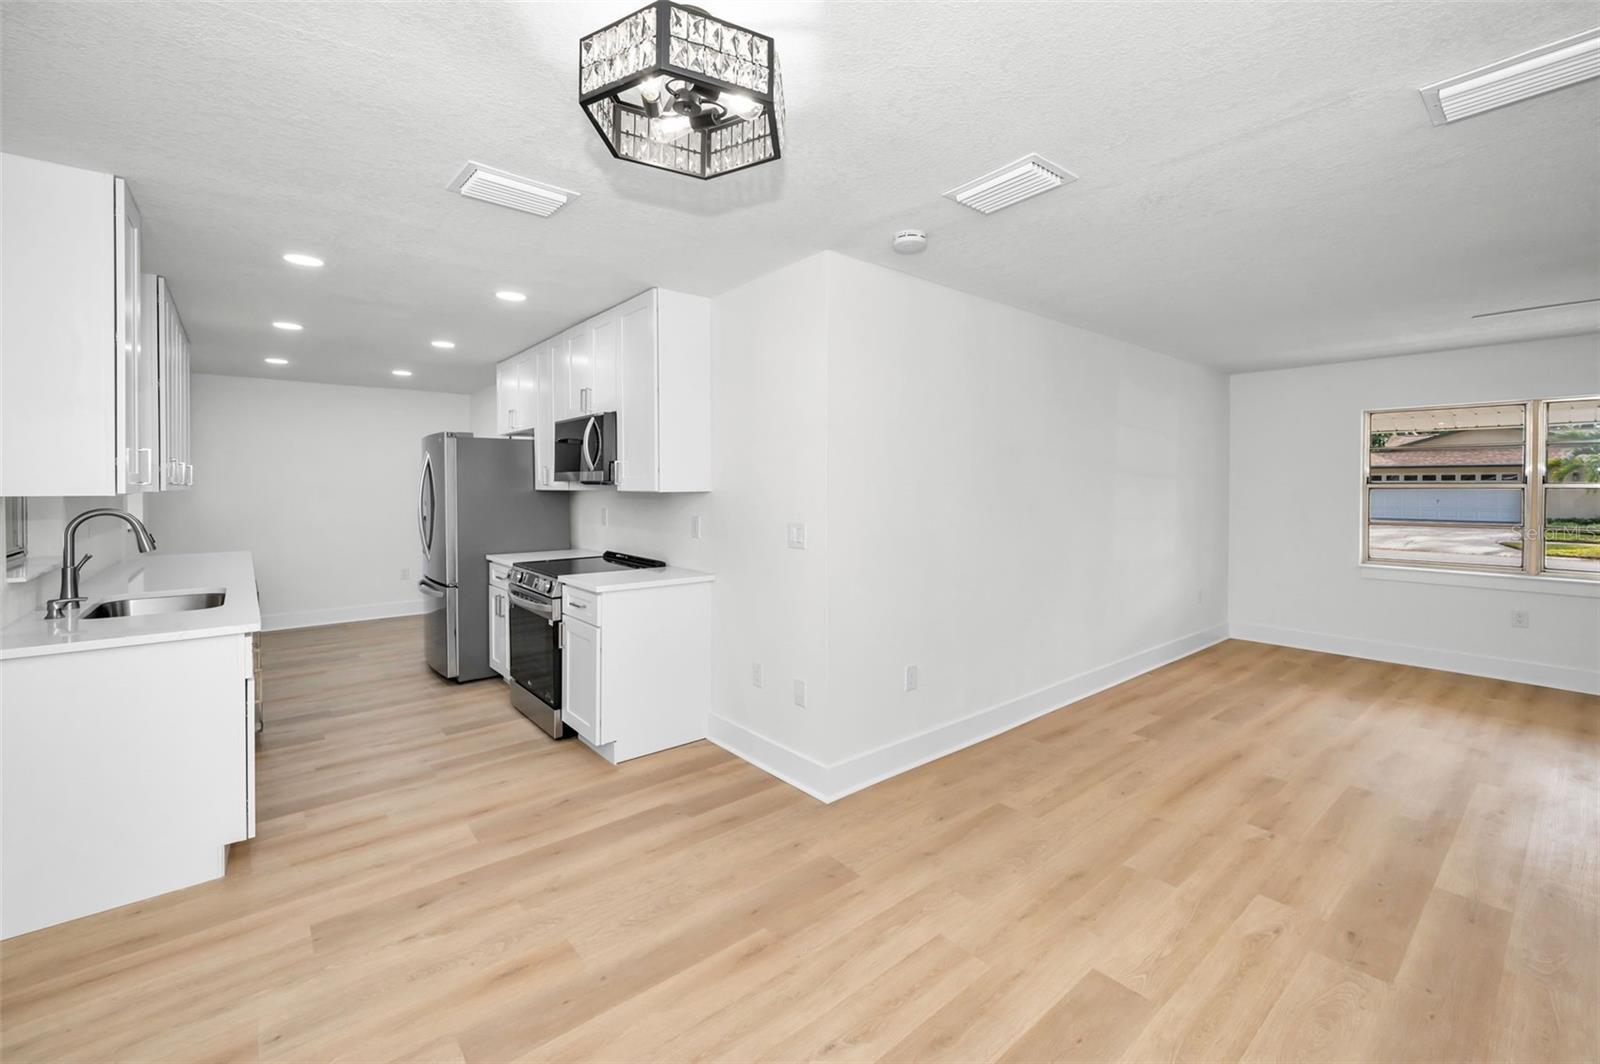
[910, 241]
[476, 181]
[1011, 184]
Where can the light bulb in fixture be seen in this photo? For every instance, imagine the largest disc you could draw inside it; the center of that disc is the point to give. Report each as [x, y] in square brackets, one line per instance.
[650, 88]
[276, 361]
[401, 372]
[444, 345]
[739, 105]
[670, 127]
[510, 296]
[287, 326]
[295, 258]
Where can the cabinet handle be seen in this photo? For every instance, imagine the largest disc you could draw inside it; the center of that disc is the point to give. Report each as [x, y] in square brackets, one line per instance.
[576, 606]
[511, 419]
[146, 465]
[499, 605]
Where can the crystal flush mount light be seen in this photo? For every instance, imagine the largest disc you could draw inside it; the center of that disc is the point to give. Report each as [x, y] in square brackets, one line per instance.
[672, 87]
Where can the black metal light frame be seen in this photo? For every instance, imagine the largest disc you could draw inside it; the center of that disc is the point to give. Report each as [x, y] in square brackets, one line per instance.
[770, 100]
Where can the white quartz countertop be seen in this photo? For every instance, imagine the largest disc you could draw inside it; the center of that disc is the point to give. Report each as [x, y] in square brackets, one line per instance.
[155, 573]
[616, 579]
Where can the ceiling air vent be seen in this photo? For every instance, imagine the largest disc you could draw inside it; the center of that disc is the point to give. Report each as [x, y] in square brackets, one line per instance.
[508, 190]
[1011, 183]
[1555, 66]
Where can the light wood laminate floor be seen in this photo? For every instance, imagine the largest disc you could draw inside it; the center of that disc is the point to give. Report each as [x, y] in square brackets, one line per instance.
[1255, 853]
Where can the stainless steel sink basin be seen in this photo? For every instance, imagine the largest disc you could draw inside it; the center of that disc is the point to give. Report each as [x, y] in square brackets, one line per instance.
[143, 605]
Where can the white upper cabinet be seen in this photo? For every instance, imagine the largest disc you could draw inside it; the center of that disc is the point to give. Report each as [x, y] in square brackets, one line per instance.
[71, 352]
[167, 339]
[664, 409]
[514, 394]
[649, 361]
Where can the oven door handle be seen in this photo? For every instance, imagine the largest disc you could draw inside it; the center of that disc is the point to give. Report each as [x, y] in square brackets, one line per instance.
[547, 611]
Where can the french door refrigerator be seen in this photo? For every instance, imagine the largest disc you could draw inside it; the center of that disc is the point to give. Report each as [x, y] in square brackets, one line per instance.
[476, 497]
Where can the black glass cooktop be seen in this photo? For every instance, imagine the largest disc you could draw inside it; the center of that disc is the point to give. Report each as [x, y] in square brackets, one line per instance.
[598, 563]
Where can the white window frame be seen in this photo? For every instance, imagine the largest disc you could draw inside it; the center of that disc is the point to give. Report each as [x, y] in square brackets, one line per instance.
[1532, 482]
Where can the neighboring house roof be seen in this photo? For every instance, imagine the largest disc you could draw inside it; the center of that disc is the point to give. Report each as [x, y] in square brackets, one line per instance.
[1412, 457]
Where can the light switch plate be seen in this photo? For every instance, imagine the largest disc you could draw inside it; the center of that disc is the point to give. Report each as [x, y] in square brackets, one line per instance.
[694, 526]
[911, 677]
[755, 674]
[800, 693]
[605, 516]
[797, 535]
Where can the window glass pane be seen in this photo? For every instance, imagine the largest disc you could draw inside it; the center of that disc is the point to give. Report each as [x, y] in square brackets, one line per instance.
[1572, 530]
[1572, 442]
[1444, 524]
[1484, 441]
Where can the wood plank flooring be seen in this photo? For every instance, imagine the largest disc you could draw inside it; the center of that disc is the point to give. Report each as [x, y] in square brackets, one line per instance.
[1252, 854]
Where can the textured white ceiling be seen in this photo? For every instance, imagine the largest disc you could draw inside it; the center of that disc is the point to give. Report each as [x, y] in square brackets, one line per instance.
[1259, 184]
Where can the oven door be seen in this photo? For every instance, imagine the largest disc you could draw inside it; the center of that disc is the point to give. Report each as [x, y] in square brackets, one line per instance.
[536, 657]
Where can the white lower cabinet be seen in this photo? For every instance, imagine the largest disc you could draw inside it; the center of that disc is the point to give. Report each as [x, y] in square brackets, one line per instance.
[499, 624]
[127, 772]
[639, 680]
[580, 676]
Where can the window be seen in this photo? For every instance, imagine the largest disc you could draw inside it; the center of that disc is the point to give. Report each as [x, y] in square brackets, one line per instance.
[1499, 487]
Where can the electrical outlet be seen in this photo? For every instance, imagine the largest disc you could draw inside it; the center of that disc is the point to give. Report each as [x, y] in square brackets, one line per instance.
[797, 535]
[755, 674]
[1519, 618]
[911, 677]
[694, 526]
[405, 574]
[800, 693]
[605, 516]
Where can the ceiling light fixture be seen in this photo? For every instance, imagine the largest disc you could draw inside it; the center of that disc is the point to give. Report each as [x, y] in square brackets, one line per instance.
[1011, 184]
[1532, 73]
[401, 372]
[287, 326]
[510, 296]
[295, 258]
[672, 87]
[445, 345]
[276, 361]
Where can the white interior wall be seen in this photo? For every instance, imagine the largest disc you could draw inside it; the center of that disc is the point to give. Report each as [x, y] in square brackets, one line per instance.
[1295, 478]
[318, 482]
[1025, 510]
[1014, 505]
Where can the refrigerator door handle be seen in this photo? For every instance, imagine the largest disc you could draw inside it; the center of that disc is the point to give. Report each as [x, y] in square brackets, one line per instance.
[429, 590]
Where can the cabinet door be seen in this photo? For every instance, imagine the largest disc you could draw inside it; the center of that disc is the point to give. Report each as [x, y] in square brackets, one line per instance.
[580, 679]
[573, 374]
[185, 409]
[499, 635]
[639, 463]
[169, 364]
[145, 448]
[603, 354]
[507, 393]
[545, 359]
[133, 469]
[527, 392]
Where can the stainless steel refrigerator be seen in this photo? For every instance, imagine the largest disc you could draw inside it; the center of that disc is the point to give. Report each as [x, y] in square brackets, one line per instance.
[476, 498]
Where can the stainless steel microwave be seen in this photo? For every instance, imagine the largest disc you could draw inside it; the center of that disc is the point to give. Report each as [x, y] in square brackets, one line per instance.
[585, 449]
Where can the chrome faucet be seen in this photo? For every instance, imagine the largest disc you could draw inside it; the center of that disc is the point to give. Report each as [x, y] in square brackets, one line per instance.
[71, 564]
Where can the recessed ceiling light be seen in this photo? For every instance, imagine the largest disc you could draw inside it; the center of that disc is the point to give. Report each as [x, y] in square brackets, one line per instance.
[401, 372]
[510, 296]
[444, 345]
[287, 326]
[295, 258]
[276, 361]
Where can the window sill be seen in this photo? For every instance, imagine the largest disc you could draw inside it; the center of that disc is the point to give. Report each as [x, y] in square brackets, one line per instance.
[1520, 582]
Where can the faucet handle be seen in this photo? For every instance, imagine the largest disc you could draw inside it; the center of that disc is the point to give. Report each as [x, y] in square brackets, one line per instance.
[81, 563]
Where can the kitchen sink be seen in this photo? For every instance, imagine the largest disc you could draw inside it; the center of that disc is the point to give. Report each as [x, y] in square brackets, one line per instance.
[141, 606]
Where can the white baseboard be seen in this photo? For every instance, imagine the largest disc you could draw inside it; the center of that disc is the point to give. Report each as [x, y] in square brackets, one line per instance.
[271, 622]
[1539, 674]
[830, 782]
